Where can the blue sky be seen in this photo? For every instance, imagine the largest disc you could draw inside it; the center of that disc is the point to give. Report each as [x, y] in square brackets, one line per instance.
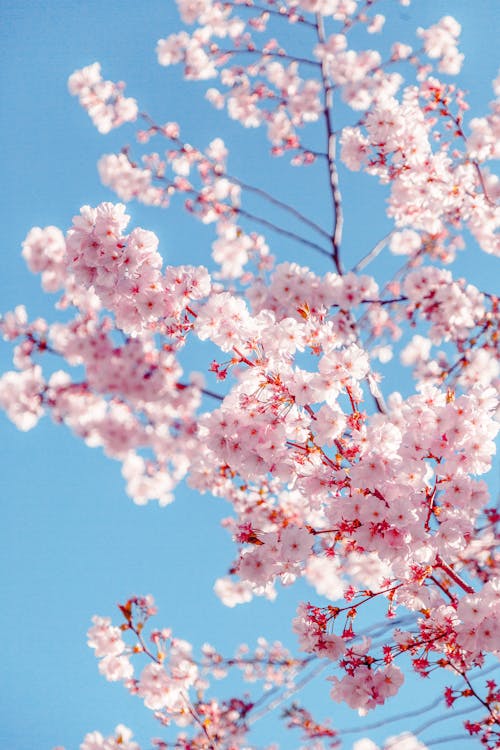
[72, 543]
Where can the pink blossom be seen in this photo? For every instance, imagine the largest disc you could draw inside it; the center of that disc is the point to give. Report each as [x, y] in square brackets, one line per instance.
[367, 494]
[103, 100]
[232, 593]
[45, 252]
[354, 149]
[324, 574]
[367, 688]
[405, 242]
[104, 638]
[116, 668]
[21, 395]
[440, 41]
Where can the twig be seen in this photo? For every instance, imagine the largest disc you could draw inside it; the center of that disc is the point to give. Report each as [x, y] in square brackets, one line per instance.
[281, 55]
[280, 230]
[291, 691]
[450, 738]
[245, 185]
[444, 717]
[194, 714]
[391, 719]
[440, 563]
[372, 254]
[280, 204]
[284, 13]
[212, 394]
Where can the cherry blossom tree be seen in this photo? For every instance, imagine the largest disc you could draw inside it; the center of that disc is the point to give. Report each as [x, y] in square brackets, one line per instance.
[369, 495]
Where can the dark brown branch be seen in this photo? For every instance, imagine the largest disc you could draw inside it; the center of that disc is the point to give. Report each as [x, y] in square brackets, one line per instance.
[212, 394]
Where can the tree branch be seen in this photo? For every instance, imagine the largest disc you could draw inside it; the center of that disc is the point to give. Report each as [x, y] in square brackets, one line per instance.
[338, 219]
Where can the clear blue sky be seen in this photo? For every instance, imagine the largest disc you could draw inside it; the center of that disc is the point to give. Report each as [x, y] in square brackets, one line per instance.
[72, 543]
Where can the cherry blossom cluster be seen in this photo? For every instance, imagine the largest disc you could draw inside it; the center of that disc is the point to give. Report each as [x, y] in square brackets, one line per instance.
[125, 271]
[422, 179]
[459, 314]
[104, 101]
[397, 146]
[210, 194]
[391, 488]
[173, 683]
[120, 740]
[132, 395]
[172, 671]
[364, 494]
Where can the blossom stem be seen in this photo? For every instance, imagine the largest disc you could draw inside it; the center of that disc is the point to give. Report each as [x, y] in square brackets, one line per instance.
[142, 643]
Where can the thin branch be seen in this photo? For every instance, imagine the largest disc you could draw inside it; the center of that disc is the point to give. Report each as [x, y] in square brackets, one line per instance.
[442, 588]
[276, 688]
[238, 211]
[440, 563]
[245, 185]
[483, 185]
[142, 643]
[205, 391]
[212, 394]
[280, 230]
[279, 54]
[291, 691]
[280, 204]
[196, 717]
[459, 131]
[281, 13]
[492, 713]
[450, 738]
[318, 154]
[391, 719]
[372, 254]
[445, 717]
[391, 301]
[338, 219]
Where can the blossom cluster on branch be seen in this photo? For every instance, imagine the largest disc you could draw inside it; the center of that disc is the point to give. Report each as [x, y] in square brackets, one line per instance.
[364, 494]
